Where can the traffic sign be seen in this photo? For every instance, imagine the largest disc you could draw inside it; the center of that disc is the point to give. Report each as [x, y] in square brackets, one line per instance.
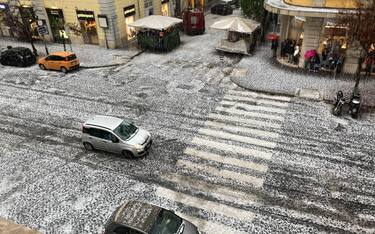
[42, 30]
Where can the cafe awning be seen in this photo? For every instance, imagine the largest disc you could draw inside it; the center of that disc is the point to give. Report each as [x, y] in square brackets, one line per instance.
[157, 22]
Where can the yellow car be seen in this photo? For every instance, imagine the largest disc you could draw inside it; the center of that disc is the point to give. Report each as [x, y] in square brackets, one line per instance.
[60, 61]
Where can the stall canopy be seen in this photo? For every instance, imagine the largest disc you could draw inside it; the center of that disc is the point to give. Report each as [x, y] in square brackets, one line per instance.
[157, 22]
[236, 24]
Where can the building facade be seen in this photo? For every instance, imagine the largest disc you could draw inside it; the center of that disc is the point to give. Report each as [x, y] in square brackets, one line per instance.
[311, 23]
[98, 22]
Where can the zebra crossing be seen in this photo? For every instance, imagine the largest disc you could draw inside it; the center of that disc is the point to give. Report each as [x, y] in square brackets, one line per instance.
[225, 164]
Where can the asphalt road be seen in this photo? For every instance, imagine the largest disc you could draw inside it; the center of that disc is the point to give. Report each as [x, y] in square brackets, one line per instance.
[229, 160]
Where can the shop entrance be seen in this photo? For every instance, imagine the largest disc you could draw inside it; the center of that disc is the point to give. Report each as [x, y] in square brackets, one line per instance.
[129, 13]
[88, 25]
[4, 28]
[56, 20]
[165, 7]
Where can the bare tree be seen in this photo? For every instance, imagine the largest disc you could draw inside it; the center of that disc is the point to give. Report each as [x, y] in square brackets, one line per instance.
[19, 18]
[360, 23]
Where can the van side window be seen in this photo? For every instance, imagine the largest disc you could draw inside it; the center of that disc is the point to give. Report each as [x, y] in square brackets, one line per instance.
[86, 130]
[100, 134]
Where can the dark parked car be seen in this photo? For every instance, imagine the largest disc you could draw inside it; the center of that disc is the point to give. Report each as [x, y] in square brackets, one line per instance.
[134, 217]
[222, 9]
[18, 56]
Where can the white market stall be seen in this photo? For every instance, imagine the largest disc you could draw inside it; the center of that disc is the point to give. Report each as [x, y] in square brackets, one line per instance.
[242, 35]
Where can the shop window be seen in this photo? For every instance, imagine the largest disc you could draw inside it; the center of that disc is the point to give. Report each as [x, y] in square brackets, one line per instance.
[88, 25]
[129, 14]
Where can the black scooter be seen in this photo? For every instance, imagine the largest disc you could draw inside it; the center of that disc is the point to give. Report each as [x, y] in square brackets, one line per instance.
[339, 103]
[354, 104]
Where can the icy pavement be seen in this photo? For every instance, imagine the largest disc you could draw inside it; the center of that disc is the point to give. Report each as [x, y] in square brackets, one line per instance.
[229, 160]
[264, 75]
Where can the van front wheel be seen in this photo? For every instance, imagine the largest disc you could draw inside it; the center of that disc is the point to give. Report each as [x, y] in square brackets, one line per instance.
[63, 69]
[127, 154]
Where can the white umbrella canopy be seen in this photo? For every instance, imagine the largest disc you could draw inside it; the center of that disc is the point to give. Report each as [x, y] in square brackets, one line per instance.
[157, 22]
[236, 24]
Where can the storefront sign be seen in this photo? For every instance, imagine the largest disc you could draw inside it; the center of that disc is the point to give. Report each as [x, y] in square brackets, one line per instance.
[103, 21]
[164, 1]
[129, 11]
[83, 15]
[54, 12]
[3, 7]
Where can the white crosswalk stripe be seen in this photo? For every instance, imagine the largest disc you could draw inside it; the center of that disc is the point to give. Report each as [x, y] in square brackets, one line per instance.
[260, 95]
[251, 114]
[207, 205]
[243, 120]
[250, 107]
[226, 160]
[247, 179]
[232, 148]
[233, 128]
[258, 101]
[235, 137]
[241, 135]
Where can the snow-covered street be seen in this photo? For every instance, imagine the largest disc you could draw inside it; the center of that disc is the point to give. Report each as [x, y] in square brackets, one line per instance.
[229, 160]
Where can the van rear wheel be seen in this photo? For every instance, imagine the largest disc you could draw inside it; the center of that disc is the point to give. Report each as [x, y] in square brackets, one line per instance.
[127, 154]
[88, 146]
[41, 66]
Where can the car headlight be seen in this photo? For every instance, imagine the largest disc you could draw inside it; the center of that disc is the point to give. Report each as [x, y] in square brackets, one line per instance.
[138, 146]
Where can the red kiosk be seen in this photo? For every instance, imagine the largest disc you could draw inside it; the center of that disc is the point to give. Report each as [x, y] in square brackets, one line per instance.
[193, 18]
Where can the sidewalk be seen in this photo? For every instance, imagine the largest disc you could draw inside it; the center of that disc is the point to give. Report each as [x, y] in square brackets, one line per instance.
[10, 227]
[262, 73]
[89, 55]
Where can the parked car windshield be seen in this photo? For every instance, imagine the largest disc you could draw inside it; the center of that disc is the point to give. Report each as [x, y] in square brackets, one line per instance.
[166, 223]
[71, 57]
[125, 130]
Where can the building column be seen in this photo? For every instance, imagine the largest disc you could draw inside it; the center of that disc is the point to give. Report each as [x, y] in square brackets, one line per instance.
[108, 8]
[311, 36]
[40, 11]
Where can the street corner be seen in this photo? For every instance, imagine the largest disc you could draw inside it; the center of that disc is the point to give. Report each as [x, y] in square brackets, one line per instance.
[10, 227]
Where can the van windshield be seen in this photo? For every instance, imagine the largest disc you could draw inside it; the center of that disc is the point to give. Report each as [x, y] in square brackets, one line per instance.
[166, 223]
[72, 57]
[125, 130]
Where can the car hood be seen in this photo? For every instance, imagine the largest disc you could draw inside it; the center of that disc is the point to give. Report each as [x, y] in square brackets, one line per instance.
[140, 137]
[189, 228]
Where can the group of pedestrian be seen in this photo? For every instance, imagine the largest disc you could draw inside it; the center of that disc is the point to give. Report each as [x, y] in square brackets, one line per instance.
[291, 50]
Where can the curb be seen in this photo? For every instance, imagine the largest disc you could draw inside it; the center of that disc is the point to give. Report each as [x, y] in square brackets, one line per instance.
[113, 65]
[262, 91]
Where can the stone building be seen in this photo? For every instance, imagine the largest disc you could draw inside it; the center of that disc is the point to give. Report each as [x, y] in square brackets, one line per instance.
[101, 22]
[312, 24]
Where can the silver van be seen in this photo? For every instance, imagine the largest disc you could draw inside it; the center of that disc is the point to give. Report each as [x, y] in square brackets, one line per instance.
[115, 135]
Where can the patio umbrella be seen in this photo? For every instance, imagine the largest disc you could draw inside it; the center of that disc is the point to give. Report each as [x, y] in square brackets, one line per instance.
[309, 54]
[236, 24]
[157, 22]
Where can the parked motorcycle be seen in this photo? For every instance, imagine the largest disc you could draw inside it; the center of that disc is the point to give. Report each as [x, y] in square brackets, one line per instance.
[354, 105]
[339, 103]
